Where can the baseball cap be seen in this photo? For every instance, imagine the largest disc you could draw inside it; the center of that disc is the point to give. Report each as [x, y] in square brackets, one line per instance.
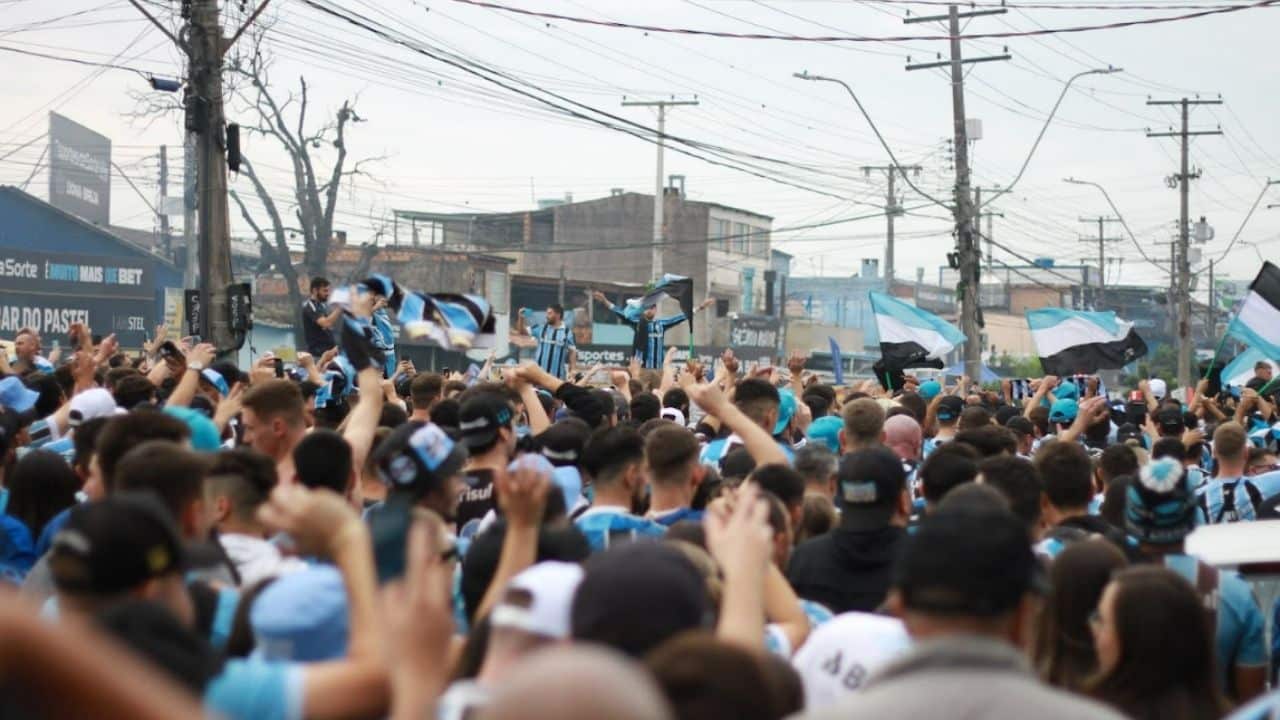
[1158, 388]
[635, 596]
[826, 430]
[301, 617]
[1160, 506]
[91, 404]
[417, 457]
[1170, 420]
[539, 600]
[950, 407]
[966, 562]
[204, 434]
[1063, 411]
[16, 396]
[562, 443]
[481, 417]
[786, 409]
[675, 415]
[929, 389]
[860, 639]
[870, 483]
[1127, 432]
[217, 380]
[1067, 390]
[115, 544]
[1020, 425]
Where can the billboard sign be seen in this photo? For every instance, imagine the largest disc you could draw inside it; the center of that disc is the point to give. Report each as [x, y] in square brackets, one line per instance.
[79, 170]
[49, 291]
[756, 332]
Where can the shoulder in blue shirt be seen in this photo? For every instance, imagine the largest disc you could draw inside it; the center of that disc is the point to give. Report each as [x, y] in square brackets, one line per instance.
[256, 690]
[603, 529]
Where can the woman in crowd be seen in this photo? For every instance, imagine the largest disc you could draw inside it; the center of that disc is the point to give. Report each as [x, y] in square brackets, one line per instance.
[1155, 648]
[1064, 651]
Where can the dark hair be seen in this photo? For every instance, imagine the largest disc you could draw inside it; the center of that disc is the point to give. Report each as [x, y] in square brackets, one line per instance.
[668, 450]
[1166, 667]
[1039, 417]
[1117, 460]
[133, 390]
[319, 282]
[446, 413]
[246, 476]
[704, 677]
[816, 464]
[1114, 499]
[1063, 651]
[565, 544]
[676, 398]
[755, 398]
[781, 480]
[323, 460]
[610, 450]
[989, 440]
[1171, 447]
[916, 404]
[644, 407]
[818, 517]
[83, 440]
[122, 434]
[51, 393]
[948, 466]
[557, 308]
[41, 485]
[737, 464]
[823, 391]
[172, 472]
[973, 417]
[424, 389]
[1019, 480]
[818, 406]
[1067, 474]
[392, 416]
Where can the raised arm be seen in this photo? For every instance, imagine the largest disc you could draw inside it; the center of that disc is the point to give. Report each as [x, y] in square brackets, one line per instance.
[363, 421]
[612, 308]
[759, 443]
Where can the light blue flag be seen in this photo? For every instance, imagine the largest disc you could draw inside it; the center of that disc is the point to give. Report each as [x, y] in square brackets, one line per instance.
[837, 361]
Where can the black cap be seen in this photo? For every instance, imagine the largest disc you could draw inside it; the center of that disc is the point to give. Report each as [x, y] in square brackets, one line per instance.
[482, 416]
[10, 425]
[417, 457]
[563, 442]
[115, 544]
[870, 483]
[950, 407]
[1170, 420]
[1127, 432]
[635, 596]
[966, 562]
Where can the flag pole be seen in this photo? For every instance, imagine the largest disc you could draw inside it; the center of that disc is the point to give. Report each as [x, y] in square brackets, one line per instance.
[1262, 391]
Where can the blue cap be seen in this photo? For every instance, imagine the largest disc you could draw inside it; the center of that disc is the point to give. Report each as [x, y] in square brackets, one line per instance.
[214, 378]
[786, 409]
[302, 617]
[826, 431]
[929, 389]
[1063, 411]
[16, 396]
[204, 434]
[1066, 391]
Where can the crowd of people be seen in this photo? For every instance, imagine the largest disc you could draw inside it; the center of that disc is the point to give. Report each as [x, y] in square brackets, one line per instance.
[353, 538]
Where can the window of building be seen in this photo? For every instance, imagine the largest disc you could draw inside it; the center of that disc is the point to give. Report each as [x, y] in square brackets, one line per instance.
[720, 234]
[741, 238]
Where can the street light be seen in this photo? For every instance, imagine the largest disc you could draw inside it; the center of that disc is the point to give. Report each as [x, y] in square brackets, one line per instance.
[1120, 216]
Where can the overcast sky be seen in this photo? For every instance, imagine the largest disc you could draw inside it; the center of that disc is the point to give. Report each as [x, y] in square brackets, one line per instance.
[453, 142]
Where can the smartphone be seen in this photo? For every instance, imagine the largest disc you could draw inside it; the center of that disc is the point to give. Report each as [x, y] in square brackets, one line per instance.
[389, 527]
[279, 365]
[168, 350]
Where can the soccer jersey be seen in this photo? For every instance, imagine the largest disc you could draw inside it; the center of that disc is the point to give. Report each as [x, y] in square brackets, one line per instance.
[649, 338]
[554, 347]
[605, 526]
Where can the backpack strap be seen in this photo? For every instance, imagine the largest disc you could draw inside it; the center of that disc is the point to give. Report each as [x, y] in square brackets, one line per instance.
[1255, 496]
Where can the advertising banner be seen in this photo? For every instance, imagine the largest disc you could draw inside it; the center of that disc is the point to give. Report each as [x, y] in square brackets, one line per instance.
[79, 170]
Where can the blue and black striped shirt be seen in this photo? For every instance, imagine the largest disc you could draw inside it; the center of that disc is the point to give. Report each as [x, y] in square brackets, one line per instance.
[554, 346]
[650, 335]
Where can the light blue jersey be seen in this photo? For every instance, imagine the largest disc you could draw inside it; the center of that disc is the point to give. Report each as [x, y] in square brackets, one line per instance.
[1237, 499]
[1240, 638]
[606, 526]
[256, 690]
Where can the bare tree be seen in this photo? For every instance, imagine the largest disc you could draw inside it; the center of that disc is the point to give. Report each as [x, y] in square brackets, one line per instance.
[284, 117]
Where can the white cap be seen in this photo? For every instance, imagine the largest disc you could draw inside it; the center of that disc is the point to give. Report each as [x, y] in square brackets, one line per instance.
[843, 652]
[539, 600]
[674, 415]
[1158, 388]
[92, 404]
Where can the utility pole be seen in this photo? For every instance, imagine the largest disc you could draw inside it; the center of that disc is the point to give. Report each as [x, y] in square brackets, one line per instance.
[1183, 265]
[165, 234]
[892, 209]
[1212, 308]
[1102, 240]
[659, 195]
[990, 215]
[205, 46]
[191, 269]
[969, 256]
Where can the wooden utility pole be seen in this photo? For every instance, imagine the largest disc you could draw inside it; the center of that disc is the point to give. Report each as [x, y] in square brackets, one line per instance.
[1102, 240]
[892, 209]
[969, 255]
[660, 194]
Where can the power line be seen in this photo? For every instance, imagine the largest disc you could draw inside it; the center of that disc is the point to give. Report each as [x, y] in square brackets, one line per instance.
[1217, 10]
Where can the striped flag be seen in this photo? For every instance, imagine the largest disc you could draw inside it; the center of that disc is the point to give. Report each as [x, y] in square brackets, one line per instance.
[1241, 369]
[451, 320]
[1072, 342]
[909, 336]
[1258, 322]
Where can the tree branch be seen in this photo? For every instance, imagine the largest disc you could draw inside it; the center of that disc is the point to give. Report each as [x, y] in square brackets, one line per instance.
[181, 45]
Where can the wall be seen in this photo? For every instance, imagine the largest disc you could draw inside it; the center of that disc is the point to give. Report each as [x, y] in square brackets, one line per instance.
[1008, 333]
[806, 336]
[838, 302]
[1022, 299]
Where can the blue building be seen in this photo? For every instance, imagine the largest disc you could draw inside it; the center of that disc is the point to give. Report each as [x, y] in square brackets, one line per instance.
[56, 269]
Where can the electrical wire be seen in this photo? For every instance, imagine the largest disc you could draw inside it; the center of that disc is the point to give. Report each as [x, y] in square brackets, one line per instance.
[1216, 10]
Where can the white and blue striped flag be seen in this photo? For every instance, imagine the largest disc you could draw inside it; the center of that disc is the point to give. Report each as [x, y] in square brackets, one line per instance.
[911, 337]
[1258, 322]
